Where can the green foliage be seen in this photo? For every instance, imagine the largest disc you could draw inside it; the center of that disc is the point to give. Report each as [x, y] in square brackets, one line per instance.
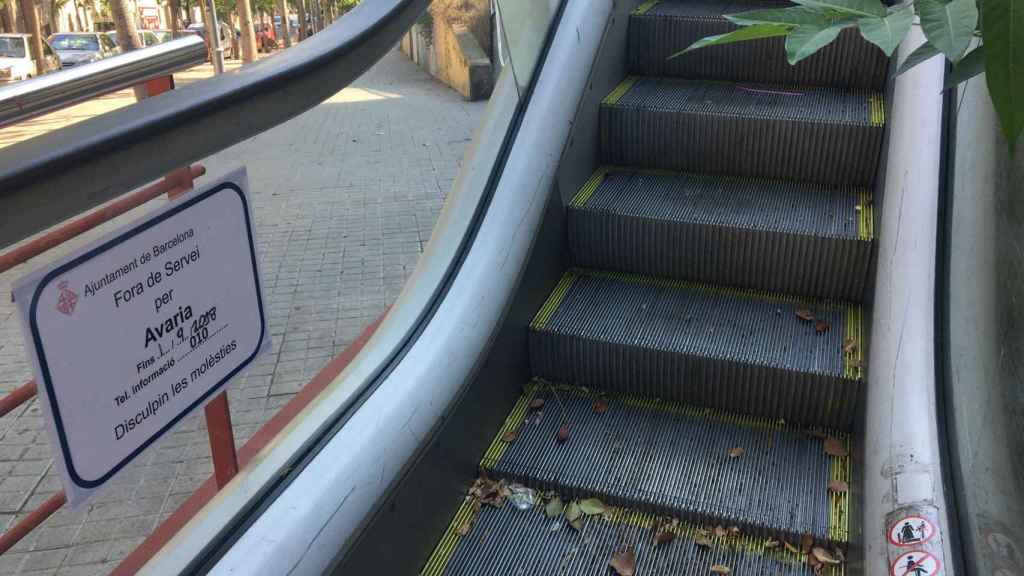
[950, 27]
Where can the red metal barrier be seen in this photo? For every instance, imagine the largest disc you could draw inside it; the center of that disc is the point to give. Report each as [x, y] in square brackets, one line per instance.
[218, 418]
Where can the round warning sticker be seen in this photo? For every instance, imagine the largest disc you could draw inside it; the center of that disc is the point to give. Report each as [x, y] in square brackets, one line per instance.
[911, 531]
[915, 563]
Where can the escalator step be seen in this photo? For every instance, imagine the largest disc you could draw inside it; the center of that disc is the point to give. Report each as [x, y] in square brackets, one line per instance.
[775, 235]
[671, 459]
[738, 350]
[507, 541]
[659, 29]
[822, 135]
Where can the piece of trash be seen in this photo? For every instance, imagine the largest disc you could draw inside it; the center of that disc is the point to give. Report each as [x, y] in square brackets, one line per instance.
[521, 497]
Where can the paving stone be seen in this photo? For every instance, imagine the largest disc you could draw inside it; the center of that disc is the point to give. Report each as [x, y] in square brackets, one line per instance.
[341, 216]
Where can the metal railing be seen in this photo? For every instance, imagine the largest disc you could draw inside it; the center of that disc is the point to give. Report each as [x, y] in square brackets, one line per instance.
[63, 88]
[58, 175]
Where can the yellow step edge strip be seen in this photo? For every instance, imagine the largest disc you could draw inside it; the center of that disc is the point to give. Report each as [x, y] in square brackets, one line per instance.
[839, 505]
[442, 554]
[620, 90]
[589, 187]
[514, 420]
[747, 293]
[853, 368]
[877, 105]
[866, 221]
[553, 302]
[643, 8]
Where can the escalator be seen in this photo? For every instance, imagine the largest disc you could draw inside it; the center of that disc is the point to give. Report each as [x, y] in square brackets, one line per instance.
[697, 370]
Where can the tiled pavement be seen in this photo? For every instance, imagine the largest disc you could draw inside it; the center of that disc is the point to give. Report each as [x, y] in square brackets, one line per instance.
[345, 197]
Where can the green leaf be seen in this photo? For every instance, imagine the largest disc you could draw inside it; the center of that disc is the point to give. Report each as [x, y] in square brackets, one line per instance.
[948, 26]
[921, 54]
[741, 35]
[807, 40]
[1002, 26]
[572, 511]
[592, 506]
[862, 8]
[792, 16]
[888, 32]
[554, 507]
[968, 67]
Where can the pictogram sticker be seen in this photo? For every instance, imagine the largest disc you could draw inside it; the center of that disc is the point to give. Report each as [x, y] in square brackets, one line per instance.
[67, 299]
[911, 531]
[915, 563]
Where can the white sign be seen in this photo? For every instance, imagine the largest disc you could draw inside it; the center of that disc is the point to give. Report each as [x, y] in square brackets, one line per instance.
[915, 563]
[133, 332]
[911, 531]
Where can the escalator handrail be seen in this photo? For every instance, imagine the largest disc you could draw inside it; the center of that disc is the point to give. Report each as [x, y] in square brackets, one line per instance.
[52, 177]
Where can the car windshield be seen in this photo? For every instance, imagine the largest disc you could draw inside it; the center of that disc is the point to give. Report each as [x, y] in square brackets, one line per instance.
[12, 47]
[74, 42]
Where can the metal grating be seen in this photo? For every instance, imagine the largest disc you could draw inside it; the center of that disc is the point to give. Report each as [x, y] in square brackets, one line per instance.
[665, 28]
[741, 351]
[821, 135]
[671, 459]
[782, 236]
[506, 541]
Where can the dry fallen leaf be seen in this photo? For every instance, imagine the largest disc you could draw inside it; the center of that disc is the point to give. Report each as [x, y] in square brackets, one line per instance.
[736, 452]
[563, 434]
[838, 486]
[554, 507]
[734, 531]
[600, 406]
[839, 554]
[624, 561]
[820, 327]
[835, 447]
[805, 315]
[464, 529]
[823, 555]
[702, 540]
[720, 532]
[577, 524]
[806, 542]
[510, 435]
[849, 346]
[536, 403]
[662, 536]
[591, 506]
[771, 543]
[790, 547]
[721, 569]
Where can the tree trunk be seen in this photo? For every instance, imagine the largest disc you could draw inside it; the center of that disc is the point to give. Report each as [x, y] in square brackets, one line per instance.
[175, 18]
[35, 43]
[244, 9]
[127, 32]
[282, 7]
[10, 19]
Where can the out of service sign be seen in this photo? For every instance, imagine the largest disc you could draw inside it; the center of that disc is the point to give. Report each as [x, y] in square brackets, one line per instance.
[135, 331]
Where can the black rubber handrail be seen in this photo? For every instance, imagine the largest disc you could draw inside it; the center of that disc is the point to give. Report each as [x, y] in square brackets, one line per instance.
[52, 177]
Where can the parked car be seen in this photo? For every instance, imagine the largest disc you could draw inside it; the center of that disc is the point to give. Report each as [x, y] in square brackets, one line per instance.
[16, 58]
[75, 48]
[162, 35]
[148, 37]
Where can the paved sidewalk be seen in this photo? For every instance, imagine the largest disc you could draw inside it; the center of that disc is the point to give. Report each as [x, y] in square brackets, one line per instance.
[345, 198]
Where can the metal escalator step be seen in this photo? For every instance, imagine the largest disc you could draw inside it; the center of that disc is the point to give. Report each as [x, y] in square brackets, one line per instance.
[510, 542]
[822, 135]
[738, 350]
[660, 29]
[671, 459]
[775, 235]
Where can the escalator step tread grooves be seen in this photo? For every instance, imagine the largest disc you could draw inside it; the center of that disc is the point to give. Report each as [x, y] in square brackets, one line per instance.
[661, 29]
[820, 135]
[672, 459]
[777, 235]
[510, 541]
[739, 350]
